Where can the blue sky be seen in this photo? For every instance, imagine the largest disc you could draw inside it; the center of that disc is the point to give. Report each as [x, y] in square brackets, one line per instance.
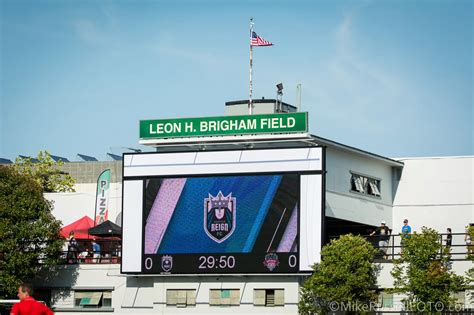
[391, 77]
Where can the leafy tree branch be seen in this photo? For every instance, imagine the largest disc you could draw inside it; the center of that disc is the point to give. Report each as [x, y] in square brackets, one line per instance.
[46, 171]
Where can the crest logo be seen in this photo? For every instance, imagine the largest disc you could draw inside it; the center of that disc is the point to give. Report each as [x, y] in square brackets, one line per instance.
[219, 216]
[271, 261]
[166, 263]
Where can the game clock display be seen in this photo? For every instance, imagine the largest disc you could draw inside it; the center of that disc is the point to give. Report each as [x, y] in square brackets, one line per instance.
[221, 224]
[216, 263]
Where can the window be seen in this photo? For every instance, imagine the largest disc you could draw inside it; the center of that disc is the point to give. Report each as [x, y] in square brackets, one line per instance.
[386, 299]
[224, 297]
[365, 185]
[373, 188]
[93, 299]
[181, 298]
[269, 297]
[359, 184]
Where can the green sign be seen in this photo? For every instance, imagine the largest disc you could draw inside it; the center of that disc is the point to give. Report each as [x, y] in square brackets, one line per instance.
[224, 126]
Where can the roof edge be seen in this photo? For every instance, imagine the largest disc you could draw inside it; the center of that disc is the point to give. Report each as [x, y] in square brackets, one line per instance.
[435, 157]
[328, 142]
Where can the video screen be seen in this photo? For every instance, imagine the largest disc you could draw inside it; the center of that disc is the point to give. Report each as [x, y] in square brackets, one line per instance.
[224, 224]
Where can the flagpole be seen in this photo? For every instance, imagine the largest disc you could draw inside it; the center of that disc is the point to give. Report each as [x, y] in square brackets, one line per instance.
[250, 98]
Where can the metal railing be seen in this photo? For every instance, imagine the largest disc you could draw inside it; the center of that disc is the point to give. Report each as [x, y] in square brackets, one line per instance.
[458, 249]
[110, 253]
[104, 257]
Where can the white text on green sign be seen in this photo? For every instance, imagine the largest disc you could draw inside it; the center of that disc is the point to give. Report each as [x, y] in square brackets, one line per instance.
[224, 125]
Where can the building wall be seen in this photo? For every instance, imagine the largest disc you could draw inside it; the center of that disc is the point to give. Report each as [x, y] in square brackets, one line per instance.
[147, 295]
[342, 203]
[88, 172]
[385, 279]
[434, 192]
[437, 193]
[69, 207]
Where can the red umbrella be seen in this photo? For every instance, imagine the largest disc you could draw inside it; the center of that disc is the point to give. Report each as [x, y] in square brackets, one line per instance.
[79, 227]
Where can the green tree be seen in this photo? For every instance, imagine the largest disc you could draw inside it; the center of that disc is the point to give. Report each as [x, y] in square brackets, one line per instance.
[470, 282]
[346, 276]
[29, 234]
[423, 273]
[46, 171]
[470, 248]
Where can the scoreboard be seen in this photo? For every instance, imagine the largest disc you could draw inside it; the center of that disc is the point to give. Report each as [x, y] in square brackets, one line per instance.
[222, 212]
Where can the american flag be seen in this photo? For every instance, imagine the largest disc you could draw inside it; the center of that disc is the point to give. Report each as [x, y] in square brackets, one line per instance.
[256, 40]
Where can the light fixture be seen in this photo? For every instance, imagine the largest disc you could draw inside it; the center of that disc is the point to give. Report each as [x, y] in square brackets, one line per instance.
[279, 97]
[279, 87]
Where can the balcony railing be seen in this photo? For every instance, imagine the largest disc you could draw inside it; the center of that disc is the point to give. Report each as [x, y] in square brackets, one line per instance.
[110, 253]
[459, 250]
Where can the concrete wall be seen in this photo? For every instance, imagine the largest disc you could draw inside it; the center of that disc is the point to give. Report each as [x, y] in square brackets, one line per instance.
[147, 295]
[385, 279]
[88, 172]
[437, 193]
[342, 203]
[69, 207]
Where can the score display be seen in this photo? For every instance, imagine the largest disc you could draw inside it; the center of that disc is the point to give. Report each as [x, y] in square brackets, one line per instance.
[225, 224]
[210, 264]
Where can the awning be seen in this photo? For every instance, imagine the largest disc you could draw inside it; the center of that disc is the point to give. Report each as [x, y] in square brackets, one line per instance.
[88, 298]
[79, 227]
[106, 229]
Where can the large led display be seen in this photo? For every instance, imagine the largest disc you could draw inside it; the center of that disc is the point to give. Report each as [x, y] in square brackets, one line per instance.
[261, 216]
[247, 223]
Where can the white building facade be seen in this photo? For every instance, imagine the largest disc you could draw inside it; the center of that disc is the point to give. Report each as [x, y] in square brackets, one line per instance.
[361, 190]
[432, 192]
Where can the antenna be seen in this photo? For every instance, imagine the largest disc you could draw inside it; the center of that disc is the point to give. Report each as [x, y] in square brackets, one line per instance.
[298, 97]
[279, 97]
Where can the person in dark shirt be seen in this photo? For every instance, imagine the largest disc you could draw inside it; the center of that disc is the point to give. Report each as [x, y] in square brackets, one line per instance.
[28, 305]
[72, 248]
[383, 233]
[449, 237]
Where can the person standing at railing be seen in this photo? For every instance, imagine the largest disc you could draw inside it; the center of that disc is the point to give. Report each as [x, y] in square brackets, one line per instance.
[383, 232]
[468, 240]
[406, 231]
[449, 238]
[72, 248]
[95, 252]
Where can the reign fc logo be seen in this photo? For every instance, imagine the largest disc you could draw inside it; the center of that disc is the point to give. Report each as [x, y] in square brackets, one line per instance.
[219, 216]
